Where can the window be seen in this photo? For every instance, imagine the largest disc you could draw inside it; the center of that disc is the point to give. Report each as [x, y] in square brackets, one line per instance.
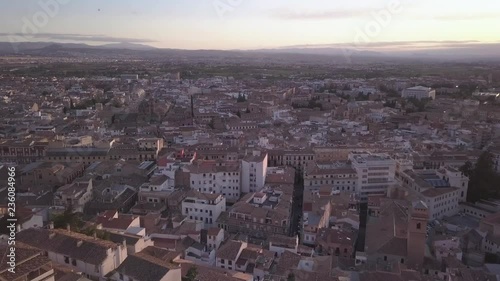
[66, 260]
[385, 258]
[419, 226]
[121, 276]
[73, 262]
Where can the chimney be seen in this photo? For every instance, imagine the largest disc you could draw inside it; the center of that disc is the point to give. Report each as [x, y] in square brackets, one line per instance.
[68, 227]
[51, 225]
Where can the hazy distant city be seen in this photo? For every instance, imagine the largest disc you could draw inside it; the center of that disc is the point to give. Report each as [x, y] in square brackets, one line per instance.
[223, 140]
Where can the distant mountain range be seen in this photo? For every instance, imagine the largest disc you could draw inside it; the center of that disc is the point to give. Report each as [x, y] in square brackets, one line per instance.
[7, 47]
[483, 52]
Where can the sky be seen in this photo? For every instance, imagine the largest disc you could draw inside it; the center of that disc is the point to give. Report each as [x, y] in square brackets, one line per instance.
[253, 24]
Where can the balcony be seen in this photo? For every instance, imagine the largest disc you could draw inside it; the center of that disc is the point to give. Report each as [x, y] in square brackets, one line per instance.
[43, 273]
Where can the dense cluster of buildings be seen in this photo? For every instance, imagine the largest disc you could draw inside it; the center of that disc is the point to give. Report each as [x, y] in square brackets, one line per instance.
[232, 180]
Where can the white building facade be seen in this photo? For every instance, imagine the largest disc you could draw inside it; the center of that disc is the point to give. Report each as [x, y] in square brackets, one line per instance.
[223, 180]
[253, 172]
[203, 207]
[375, 173]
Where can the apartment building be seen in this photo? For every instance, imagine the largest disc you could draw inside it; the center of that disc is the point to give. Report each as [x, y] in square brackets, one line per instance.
[217, 153]
[445, 247]
[75, 195]
[203, 207]
[157, 190]
[94, 258]
[298, 159]
[22, 151]
[150, 144]
[260, 214]
[375, 173]
[85, 155]
[253, 172]
[338, 176]
[50, 174]
[279, 244]
[89, 155]
[442, 190]
[213, 238]
[442, 202]
[437, 160]
[336, 241]
[228, 254]
[419, 92]
[216, 178]
[316, 210]
[334, 153]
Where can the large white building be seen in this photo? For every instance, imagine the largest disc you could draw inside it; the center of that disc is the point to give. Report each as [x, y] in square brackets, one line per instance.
[442, 190]
[216, 178]
[203, 207]
[419, 92]
[375, 173]
[253, 172]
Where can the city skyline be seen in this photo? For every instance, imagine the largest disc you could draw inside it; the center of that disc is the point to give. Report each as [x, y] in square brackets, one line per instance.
[226, 25]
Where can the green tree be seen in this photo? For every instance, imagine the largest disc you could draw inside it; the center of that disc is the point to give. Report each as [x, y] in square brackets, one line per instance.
[191, 274]
[211, 124]
[483, 181]
[68, 218]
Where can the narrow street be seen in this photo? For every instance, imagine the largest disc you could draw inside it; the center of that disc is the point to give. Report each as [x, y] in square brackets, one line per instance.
[296, 212]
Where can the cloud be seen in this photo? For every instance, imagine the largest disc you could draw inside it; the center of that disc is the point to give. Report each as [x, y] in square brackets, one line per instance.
[391, 44]
[305, 14]
[78, 37]
[467, 17]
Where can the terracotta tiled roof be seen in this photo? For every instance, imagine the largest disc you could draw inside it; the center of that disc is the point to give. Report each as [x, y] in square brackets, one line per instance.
[74, 245]
[230, 250]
